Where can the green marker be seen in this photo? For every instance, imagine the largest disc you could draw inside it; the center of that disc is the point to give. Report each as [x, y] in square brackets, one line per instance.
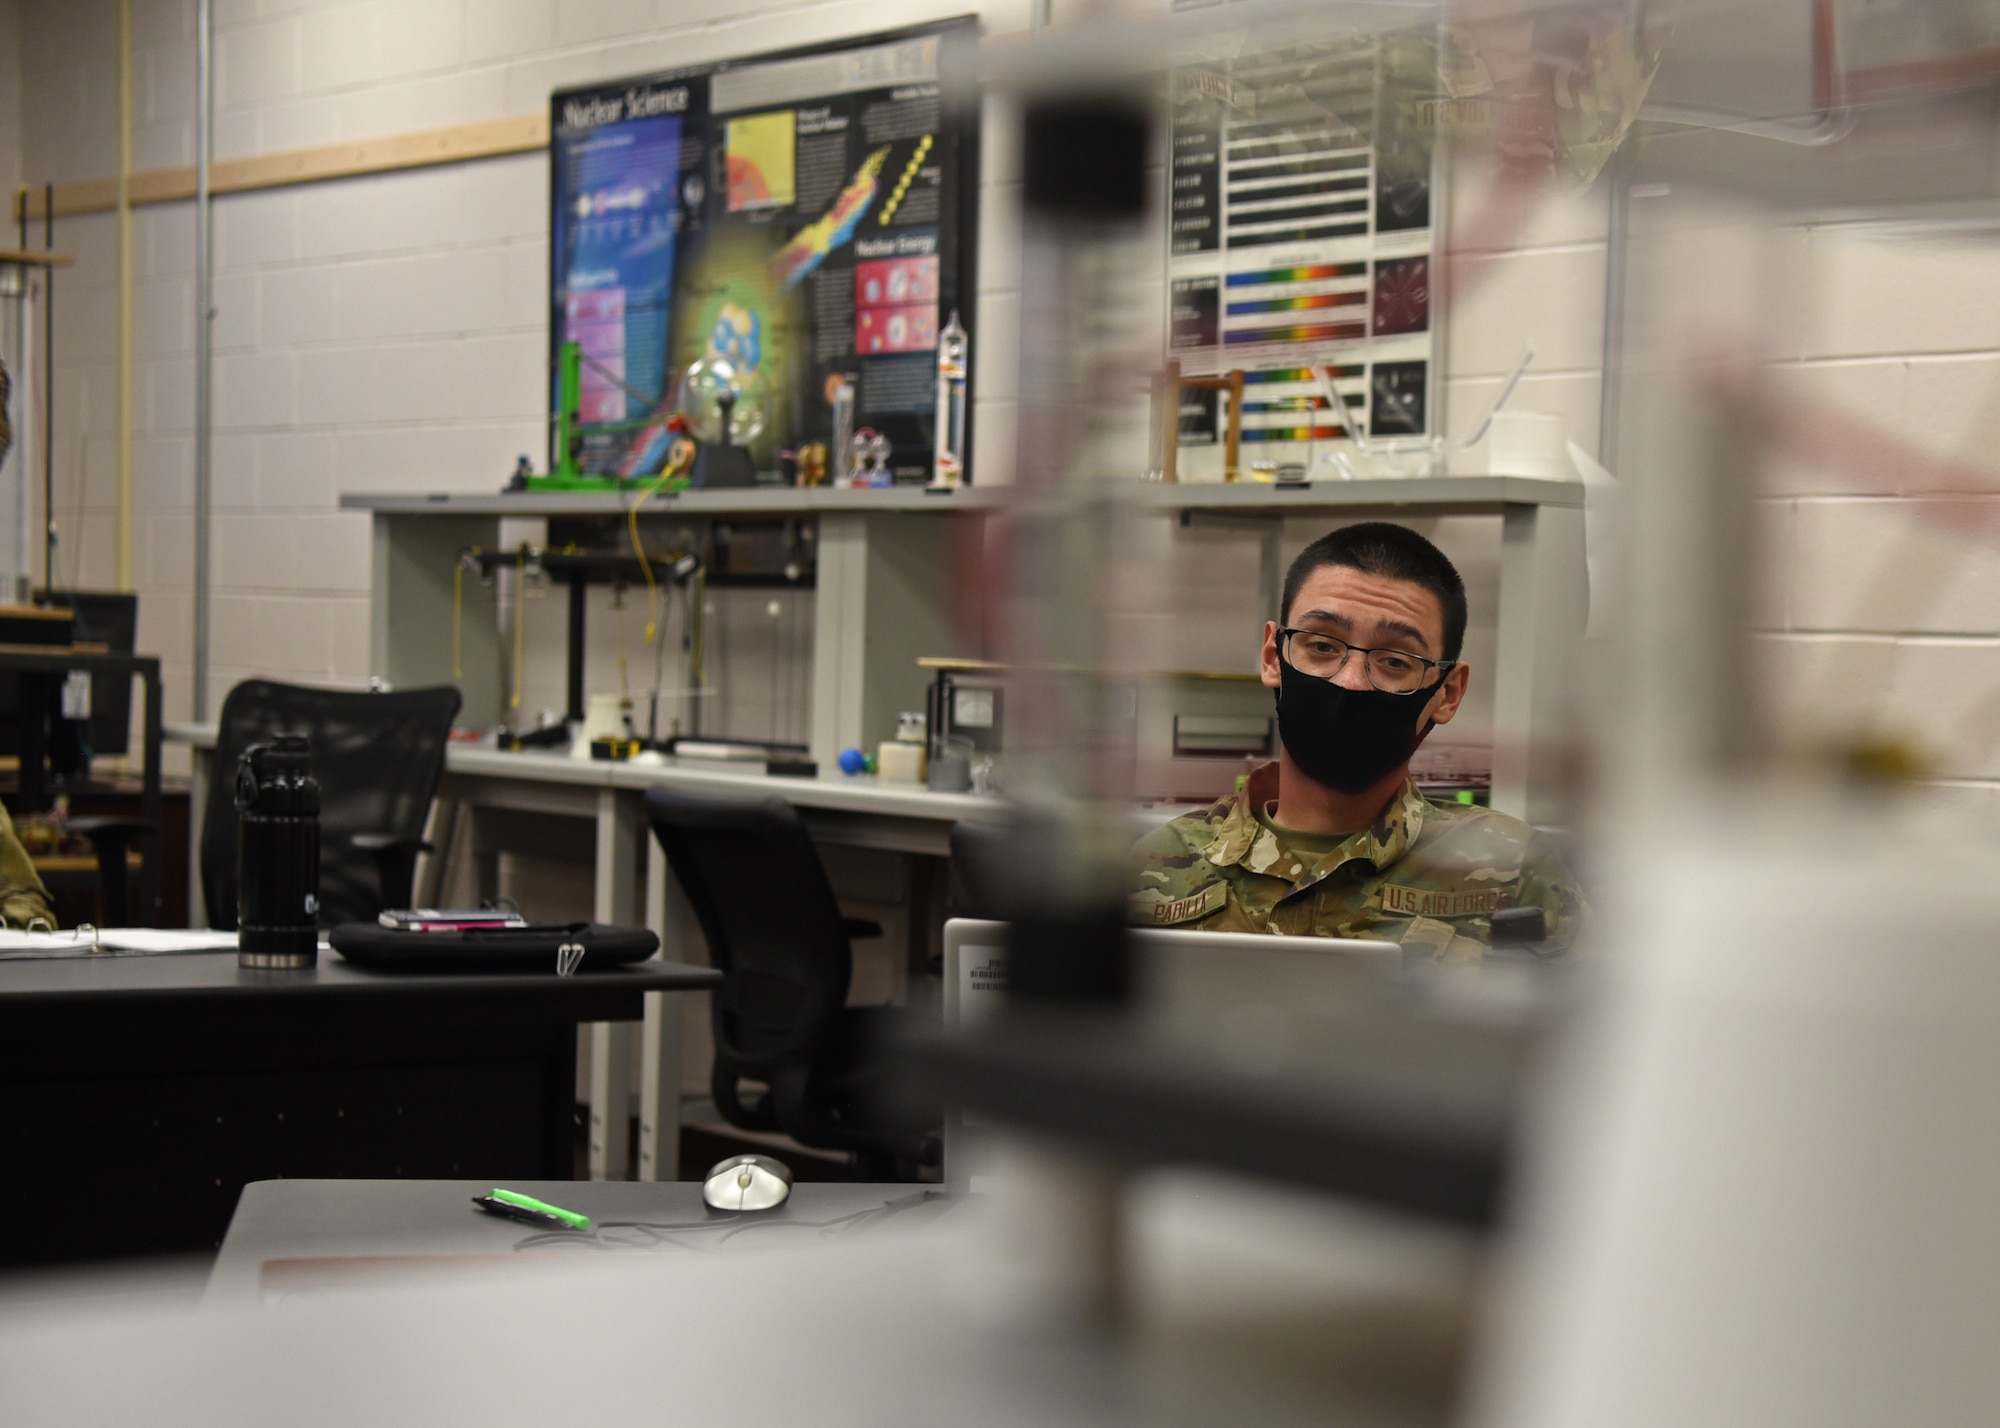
[530, 1203]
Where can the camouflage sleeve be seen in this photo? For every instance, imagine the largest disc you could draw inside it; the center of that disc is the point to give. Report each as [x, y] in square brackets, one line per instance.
[1163, 843]
[1548, 883]
[1157, 860]
[1164, 861]
[22, 896]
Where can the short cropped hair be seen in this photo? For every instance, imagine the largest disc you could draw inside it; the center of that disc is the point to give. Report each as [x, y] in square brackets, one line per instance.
[1394, 553]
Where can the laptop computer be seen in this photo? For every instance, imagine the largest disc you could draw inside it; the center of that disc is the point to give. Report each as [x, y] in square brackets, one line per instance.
[1199, 980]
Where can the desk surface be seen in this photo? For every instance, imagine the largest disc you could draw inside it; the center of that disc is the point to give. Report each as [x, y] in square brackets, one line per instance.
[297, 1235]
[859, 793]
[214, 976]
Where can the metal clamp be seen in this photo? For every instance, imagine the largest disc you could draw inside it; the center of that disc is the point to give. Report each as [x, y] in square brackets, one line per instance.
[83, 934]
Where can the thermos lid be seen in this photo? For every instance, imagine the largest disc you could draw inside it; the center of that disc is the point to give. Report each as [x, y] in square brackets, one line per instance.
[274, 778]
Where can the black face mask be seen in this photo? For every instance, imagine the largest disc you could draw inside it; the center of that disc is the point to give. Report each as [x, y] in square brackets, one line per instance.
[1347, 739]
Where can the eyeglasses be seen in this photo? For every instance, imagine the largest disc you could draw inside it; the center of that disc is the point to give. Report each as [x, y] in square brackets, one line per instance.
[1323, 656]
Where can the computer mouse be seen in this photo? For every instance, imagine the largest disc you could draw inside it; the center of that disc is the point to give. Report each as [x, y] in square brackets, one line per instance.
[747, 1182]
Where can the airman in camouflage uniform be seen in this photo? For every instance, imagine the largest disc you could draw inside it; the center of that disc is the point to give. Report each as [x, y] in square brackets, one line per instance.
[1363, 661]
[23, 898]
[1426, 875]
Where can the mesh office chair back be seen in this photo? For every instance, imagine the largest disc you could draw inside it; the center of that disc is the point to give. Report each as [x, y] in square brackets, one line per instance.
[773, 926]
[377, 758]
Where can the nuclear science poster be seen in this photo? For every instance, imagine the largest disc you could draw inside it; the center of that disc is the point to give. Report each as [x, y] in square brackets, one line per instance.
[808, 215]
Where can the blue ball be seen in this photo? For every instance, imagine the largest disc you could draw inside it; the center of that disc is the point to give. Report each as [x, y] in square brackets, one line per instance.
[852, 761]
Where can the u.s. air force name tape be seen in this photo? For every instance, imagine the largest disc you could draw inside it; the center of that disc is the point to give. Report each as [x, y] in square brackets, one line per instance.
[1150, 906]
[1442, 902]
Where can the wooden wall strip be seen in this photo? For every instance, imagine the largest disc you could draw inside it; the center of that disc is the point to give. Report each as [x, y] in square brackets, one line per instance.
[456, 143]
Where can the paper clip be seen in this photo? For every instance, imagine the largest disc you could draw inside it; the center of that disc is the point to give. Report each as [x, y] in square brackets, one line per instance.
[569, 957]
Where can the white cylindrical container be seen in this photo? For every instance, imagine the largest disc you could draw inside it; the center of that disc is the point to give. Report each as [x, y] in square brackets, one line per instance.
[1529, 444]
[603, 718]
[898, 762]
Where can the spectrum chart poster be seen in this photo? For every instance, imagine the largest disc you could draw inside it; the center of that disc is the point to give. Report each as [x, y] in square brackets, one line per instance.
[810, 215]
[1301, 235]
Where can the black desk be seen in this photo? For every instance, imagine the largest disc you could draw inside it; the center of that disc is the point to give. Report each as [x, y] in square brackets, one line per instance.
[301, 1236]
[138, 1095]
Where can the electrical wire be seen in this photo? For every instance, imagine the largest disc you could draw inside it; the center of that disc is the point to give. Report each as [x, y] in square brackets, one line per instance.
[645, 565]
[520, 620]
[618, 624]
[659, 679]
[76, 517]
[679, 456]
[608, 1236]
[471, 552]
[697, 667]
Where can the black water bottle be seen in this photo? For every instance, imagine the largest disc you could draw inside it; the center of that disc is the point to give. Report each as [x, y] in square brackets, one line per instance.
[277, 855]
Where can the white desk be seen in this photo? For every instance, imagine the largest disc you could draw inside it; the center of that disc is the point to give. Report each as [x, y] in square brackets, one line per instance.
[300, 1237]
[859, 811]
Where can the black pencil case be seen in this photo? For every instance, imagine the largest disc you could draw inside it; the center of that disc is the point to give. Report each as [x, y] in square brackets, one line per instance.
[559, 948]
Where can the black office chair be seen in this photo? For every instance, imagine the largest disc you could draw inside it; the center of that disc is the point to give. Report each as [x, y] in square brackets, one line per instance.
[781, 1016]
[377, 758]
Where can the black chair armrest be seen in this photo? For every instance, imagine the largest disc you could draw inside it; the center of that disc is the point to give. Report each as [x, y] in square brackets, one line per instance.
[395, 864]
[860, 927]
[387, 842]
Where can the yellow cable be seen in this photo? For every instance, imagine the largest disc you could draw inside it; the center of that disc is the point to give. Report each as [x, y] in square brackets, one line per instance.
[700, 623]
[624, 684]
[678, 456]
[458, 606]
[646, 566]
[520, 612]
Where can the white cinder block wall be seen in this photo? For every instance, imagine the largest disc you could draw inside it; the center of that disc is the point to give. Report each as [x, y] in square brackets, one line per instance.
[388, 333]
[382, 333]
[1885, 606]
[10, 96]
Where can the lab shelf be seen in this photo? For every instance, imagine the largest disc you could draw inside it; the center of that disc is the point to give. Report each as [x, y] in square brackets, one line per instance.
[1434, 495]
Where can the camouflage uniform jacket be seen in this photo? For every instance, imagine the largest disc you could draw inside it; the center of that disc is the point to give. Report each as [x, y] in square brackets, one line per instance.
[22, 896]
[1426, 875]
